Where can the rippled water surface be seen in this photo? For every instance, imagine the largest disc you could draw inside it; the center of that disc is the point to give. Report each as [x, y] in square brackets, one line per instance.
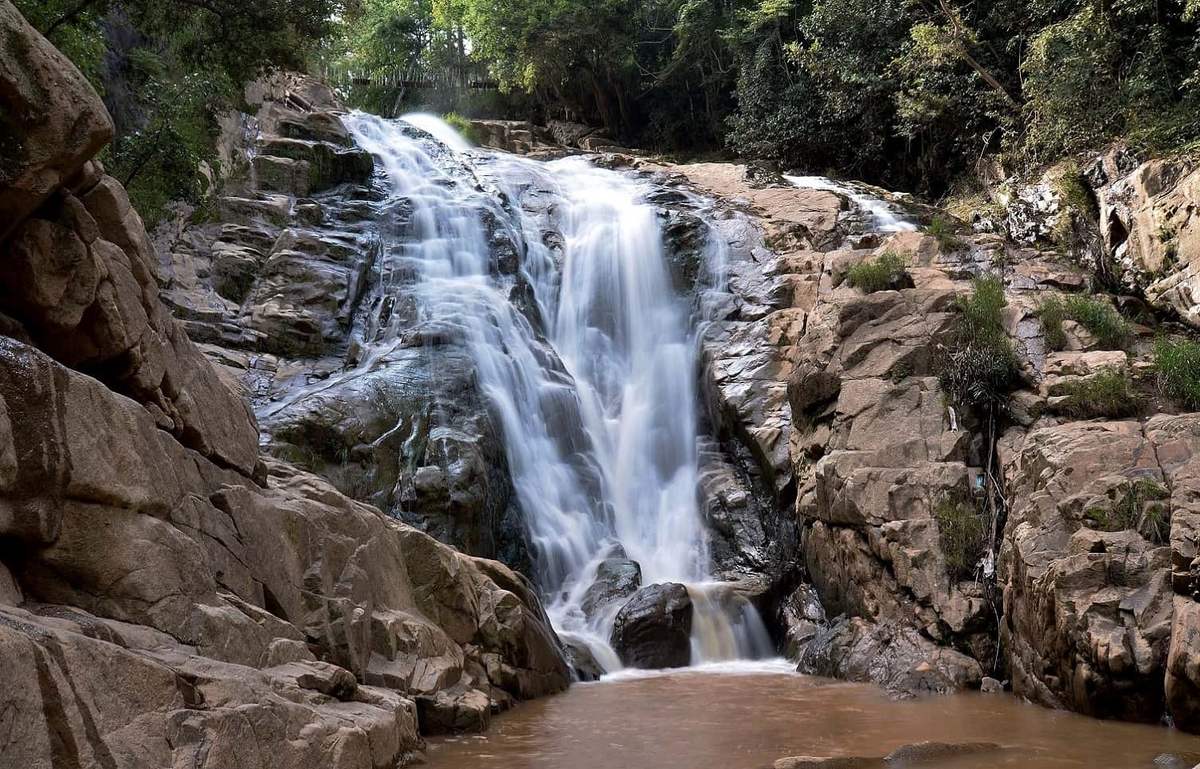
[742, 720]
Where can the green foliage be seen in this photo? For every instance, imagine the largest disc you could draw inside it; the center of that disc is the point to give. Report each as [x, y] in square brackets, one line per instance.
[1177, 364]
[1098, 316]
[889, 270]
[1139, 505]
[463, 126]
[980, 369]
[1108, 393]
[167, 68]
[945, 233]
[1051, 314]
[962, 533]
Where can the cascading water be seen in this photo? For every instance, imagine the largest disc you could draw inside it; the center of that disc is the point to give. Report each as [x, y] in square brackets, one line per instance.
[593, 385]
[884, 217]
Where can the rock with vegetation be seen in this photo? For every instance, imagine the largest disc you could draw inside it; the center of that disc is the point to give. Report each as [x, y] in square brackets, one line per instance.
[1096, 513]
[1151, 233]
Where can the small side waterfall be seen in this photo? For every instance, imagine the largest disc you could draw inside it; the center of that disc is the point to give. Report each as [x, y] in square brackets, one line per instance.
[885, 217]
[725, 626]
[592, 381]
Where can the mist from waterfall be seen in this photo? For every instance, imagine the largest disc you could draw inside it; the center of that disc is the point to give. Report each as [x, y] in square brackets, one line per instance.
[593, 385]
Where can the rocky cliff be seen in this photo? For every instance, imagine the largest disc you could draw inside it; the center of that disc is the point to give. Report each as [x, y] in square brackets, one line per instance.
[1083, 597]
[169, 595]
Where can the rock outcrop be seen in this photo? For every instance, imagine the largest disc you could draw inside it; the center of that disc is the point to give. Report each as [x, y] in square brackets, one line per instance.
[1151, 229]
[168, 596]
[829, 396]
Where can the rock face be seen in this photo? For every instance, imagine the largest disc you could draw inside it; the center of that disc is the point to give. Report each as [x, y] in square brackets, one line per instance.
[830, 396]
[1151, 229]
[167, 596]
[1090, 606]
[51, 121]
[653, 629]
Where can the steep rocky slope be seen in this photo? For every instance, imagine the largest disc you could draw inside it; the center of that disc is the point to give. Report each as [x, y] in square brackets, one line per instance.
[167, 595]
[833, 395]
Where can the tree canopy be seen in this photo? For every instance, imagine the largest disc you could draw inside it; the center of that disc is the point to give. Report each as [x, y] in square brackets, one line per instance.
[907, 93]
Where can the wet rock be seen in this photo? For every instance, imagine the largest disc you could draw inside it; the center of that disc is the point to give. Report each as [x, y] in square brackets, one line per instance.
[580, 658]
[991, 685]
[653, 629]
[1176, 761]
[892, 656]
[829, 762]
[915, 755]
[801, 616]
[749, 537]
[616, 578]
[922, 753]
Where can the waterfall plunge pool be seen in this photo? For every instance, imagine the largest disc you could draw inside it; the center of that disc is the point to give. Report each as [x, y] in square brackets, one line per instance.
[745, 715]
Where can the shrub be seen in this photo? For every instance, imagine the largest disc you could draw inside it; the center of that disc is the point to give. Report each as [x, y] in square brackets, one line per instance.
[1177, 364]
[1099, 317]
[945, 233]
[981, 369]
[871, 275]
[1051, 313]
[962, 533]
[1136, 505]
[463, 126]
[1107, 393]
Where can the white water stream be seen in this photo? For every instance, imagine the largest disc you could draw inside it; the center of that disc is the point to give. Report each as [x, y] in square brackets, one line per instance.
[597, 403]
[885, 217]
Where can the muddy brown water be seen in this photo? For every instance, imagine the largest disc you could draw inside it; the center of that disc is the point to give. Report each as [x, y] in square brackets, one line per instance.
[746, 720]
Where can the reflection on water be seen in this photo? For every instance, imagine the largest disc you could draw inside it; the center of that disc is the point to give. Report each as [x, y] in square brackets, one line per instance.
[742, 720]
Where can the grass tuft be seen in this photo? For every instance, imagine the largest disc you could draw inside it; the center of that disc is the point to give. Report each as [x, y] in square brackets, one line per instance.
[463, 126]
[962, 534]
[1177, 364]
[981, 369]
[1137, 505]
[886, 272]
[945, 232]
[1107, 393]
[1099, 317]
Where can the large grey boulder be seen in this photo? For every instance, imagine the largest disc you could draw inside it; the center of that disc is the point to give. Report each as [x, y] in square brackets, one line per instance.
[654, 628]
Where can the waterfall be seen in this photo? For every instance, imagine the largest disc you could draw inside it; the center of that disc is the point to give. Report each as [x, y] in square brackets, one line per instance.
[884, 217]
[593, 385]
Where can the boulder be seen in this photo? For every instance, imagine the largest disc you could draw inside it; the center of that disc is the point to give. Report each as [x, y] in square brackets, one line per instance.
[616, 579]
[51, 121]
[653, 629]
[891, 656]
[581, 659]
